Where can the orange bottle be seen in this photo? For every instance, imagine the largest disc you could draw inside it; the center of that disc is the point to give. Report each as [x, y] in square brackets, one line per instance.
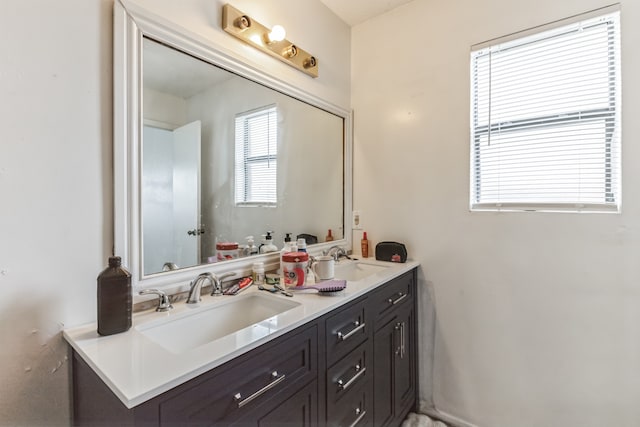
[364, 246]
[329, 237]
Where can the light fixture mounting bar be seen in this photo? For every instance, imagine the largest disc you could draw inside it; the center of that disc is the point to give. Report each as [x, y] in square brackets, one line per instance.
[254, 33]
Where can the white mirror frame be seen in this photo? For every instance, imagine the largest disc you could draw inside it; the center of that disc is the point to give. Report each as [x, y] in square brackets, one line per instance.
[131, 22]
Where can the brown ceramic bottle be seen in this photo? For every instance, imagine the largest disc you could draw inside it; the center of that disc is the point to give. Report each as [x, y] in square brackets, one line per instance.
[114, 298]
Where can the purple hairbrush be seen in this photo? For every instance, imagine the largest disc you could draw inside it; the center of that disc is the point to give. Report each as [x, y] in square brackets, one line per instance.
[326, 286]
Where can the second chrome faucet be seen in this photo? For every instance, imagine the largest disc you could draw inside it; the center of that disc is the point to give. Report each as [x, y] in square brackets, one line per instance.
[195, 288]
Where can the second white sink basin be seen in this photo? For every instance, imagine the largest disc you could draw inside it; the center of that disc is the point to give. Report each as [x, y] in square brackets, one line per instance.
[238, 314]
[358, 270]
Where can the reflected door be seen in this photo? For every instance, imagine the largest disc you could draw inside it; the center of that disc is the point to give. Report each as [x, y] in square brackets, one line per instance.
[171, 197]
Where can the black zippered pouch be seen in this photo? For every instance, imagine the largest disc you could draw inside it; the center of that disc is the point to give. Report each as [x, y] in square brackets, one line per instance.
[391, 251]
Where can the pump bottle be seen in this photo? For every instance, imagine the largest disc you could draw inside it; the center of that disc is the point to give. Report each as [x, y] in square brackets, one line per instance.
[268, 245]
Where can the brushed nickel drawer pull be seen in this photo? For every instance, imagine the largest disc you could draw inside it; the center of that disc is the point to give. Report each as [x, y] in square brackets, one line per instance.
[402, 342]
[276, 380]
[359, 372]
[358, 326]
[394, 302]
[360, 417]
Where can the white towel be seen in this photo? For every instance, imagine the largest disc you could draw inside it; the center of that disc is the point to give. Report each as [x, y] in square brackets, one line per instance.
[419, 420]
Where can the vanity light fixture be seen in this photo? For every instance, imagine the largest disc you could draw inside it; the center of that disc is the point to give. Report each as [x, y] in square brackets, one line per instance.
[271, 41]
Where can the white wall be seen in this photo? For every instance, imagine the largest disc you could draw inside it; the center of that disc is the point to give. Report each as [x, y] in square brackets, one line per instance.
[537, 315]
[56, 222]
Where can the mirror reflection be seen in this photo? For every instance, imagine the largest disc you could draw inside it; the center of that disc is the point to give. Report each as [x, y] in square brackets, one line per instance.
[225, 158]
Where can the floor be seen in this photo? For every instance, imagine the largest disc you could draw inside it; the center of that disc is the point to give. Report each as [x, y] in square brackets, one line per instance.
[419, 420]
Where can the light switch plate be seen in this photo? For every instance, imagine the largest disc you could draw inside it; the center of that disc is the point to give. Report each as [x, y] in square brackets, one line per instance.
[356, 220]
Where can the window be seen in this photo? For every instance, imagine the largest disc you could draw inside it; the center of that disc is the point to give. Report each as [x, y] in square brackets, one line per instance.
[545, 118]
[256, 157]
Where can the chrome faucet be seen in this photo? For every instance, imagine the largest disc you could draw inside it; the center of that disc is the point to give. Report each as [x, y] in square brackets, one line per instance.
[336, 252]
[195, 287]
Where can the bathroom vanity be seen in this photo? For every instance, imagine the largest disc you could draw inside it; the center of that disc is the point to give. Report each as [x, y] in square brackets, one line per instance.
[340, 360]
[256, 358]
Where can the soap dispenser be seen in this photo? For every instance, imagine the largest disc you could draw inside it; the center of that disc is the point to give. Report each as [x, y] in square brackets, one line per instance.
[289, 245]
[268, 244]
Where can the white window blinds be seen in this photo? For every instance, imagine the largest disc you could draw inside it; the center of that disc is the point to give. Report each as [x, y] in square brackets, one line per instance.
[256, 142]
[545, 119]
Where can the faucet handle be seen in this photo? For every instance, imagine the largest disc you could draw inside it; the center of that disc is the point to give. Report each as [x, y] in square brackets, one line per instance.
[217, 282]
[163, 303]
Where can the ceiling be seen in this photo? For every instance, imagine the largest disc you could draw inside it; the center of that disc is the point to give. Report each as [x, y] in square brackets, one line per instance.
[354, 12]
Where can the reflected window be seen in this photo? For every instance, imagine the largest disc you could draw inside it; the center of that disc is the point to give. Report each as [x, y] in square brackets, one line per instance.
[256, 164]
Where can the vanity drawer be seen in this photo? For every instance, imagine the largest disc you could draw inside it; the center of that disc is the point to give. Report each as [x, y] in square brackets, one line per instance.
[349, 374]
[345, 330]
[236, 389]
[397, 292]
[355, 410]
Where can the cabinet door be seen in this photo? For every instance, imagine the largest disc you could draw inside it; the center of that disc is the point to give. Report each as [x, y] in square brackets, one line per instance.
[394, 363]
[300, 410]
[404, 366]
[385, 346]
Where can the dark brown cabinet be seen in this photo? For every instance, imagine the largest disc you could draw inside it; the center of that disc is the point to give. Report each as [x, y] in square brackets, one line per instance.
[353, 367]
[394, 387]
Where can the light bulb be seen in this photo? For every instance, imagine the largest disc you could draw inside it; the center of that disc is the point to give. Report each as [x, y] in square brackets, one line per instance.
[277, 34]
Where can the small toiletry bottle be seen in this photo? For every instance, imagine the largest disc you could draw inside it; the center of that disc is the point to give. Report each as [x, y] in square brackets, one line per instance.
[258, 273]
[251, 248]
[288, 246]
[302, 245]
[364, 245]
[114, 298]
[329, 237]
[268, 245]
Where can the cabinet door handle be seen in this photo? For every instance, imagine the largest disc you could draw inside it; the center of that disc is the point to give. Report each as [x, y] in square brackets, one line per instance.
[359, 372]
[358, 327]
[402, 343]
[360, 417]
[276, 380]
[395, 301]
[397, 336]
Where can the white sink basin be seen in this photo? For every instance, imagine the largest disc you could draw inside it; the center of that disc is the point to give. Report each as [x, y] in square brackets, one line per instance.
[252, 314]
[354, 271]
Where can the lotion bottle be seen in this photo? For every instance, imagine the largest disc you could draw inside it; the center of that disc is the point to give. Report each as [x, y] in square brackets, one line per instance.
[364, 245]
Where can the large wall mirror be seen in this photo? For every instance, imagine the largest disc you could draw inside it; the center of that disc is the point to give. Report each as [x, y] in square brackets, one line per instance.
[209, 152]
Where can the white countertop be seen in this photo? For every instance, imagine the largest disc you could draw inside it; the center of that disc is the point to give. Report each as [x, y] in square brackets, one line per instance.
[137, 369]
